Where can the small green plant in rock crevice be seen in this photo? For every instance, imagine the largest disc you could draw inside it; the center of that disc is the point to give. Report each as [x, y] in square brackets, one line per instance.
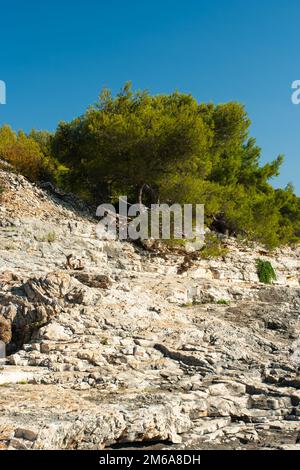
[213, 247]
[222, 302]
[192, 303]
[265, 271]
[50, 237]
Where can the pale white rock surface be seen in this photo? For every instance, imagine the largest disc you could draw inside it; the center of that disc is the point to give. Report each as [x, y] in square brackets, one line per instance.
[108, 344]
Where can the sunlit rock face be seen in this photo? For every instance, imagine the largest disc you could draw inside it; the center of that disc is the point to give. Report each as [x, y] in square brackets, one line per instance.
[110, 343]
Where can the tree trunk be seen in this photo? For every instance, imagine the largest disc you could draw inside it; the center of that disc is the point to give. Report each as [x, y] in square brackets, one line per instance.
[140, 190]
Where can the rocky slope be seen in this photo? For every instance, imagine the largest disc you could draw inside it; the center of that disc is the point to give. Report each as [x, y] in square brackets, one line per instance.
[109, 346]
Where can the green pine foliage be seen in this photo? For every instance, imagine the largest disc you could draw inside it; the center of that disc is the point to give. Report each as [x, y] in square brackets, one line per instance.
[167, 149]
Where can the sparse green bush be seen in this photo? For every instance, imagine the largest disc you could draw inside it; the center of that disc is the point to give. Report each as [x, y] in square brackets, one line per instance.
[213, 247]
[49, 237]
[265, 271]
[222, 302]
[175, 243]
[22, 152]
[193, 303]
[30, 154]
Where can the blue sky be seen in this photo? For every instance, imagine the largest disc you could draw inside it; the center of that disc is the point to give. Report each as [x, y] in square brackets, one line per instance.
[55, 56]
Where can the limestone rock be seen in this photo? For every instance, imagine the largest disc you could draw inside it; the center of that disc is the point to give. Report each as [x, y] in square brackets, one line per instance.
[141, 344]
[54, 332]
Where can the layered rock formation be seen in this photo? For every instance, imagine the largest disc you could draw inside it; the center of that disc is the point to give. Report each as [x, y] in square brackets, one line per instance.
[111, 345]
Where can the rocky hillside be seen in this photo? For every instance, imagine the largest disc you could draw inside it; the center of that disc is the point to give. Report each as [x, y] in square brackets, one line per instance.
[111, 345]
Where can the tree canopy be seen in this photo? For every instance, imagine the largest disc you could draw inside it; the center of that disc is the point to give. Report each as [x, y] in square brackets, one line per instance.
[166, 148]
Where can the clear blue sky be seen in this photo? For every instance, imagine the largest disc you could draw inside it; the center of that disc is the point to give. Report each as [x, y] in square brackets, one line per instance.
[55, 56]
